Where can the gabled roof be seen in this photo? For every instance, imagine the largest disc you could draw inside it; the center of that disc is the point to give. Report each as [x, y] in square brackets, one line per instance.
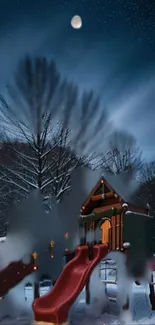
[125, 188]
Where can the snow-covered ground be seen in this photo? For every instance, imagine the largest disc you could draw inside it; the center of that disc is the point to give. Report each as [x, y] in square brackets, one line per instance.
[101, 311]
[142, 313]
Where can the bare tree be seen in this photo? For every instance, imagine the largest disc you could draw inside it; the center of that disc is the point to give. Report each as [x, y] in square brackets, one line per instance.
[147, 172]
[123, 154]
[146, 191]
[89, 122]
[3, 198]
[3, 226]
[39, 147]
[146, 181]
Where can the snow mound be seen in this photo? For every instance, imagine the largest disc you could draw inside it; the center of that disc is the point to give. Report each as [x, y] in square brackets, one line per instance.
[98, 295]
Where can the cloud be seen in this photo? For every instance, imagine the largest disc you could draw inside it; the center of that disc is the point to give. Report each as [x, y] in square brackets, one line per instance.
[119, 70]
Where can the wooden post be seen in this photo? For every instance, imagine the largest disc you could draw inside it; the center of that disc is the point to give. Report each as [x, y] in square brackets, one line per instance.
[91, 253]
[95, 241]
[81, 234]
[85, 233]
[36, 290]
[93, 231]
[127, 304]
[88, 292]
[126, 247]
[106, 290]
[91, 243]
[152, 295]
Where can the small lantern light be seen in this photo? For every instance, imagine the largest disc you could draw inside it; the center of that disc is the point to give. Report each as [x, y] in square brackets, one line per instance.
[66, 235]
[52, 243]
[35, 255]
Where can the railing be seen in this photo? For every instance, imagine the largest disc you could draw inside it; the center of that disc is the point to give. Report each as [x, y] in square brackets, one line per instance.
[105, 266]
[109, 282]
[106, 277]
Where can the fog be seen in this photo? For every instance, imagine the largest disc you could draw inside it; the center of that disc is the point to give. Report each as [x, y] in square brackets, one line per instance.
[31, 229]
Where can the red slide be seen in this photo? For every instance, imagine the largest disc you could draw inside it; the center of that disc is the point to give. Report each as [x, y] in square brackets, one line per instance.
[54, 306]
[15, 272]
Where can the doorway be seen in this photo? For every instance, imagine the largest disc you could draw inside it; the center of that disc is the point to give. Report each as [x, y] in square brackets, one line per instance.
[105, 231]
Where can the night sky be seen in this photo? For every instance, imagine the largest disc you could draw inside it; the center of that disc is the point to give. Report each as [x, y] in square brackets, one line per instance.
[113, 52]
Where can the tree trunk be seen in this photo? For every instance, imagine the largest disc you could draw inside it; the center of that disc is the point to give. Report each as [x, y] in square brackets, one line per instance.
[126, 305]
[39, 154]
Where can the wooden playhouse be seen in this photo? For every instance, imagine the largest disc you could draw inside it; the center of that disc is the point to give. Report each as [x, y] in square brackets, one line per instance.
[119, 220]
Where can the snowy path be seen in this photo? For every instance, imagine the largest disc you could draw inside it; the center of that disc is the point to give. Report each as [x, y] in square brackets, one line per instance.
[142, 313]
[141, 308]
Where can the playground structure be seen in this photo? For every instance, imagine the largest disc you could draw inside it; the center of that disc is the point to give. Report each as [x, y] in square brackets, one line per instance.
[115, 217]
[107, 211]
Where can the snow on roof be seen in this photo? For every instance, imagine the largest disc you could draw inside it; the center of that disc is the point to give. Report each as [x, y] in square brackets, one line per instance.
[2, 239]
[140, 214]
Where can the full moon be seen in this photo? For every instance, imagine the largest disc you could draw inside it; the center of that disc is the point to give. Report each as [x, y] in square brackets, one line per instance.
[76, 22]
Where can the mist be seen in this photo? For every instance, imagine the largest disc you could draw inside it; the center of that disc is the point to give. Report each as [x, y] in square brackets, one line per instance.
[98, 297]
[31, 229]
[115, 66]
